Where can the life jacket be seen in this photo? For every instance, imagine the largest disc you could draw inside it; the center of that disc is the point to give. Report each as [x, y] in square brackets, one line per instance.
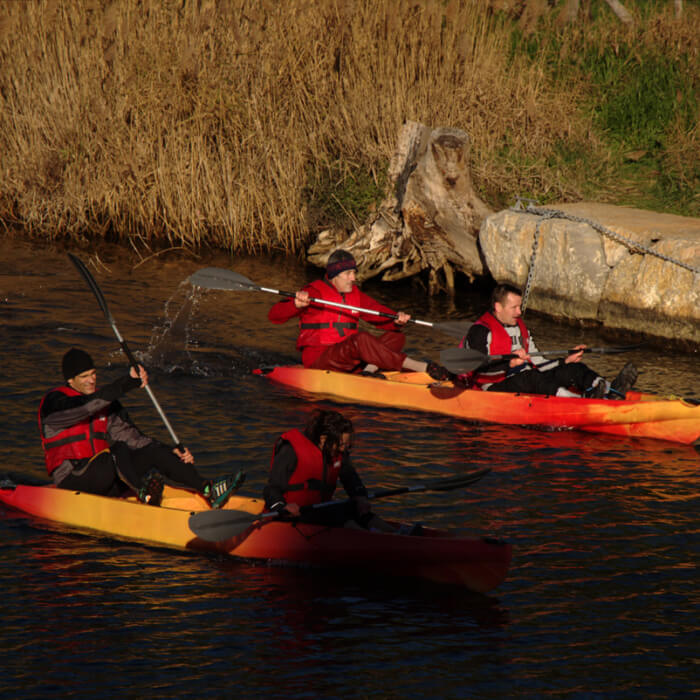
[501, 344]
[327, 325]
[312, 481]
[80, 441]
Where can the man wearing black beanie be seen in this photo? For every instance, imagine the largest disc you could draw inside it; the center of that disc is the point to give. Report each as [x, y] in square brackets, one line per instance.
[90, 443]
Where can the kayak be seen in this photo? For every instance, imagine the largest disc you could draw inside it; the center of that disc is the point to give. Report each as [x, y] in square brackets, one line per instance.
[638, 415]
[477, 563]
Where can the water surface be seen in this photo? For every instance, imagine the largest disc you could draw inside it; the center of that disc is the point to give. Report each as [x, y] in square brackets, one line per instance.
[602, 599]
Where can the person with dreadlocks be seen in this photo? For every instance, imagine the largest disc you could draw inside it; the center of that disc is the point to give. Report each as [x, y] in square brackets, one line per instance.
[305, 469]
[329, 337]
[501, 331]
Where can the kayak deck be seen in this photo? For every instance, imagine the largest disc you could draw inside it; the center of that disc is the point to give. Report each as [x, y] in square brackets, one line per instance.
[477, 563]
[639, 415]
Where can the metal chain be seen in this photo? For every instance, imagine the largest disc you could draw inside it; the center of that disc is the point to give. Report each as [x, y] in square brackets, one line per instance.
[545, 213]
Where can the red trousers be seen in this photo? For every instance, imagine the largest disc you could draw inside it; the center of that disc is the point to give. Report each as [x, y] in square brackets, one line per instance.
[362, 349]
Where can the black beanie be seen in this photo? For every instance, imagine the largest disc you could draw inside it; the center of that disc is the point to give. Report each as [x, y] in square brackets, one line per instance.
[339, 261]
[76, 361]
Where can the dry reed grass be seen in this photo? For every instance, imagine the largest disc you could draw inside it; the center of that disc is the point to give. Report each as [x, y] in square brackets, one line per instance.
[201, 123]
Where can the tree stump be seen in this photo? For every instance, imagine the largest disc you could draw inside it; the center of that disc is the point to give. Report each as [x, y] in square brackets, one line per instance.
[429, 220]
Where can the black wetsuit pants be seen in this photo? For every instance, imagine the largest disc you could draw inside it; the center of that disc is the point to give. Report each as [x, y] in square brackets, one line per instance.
[572, 375]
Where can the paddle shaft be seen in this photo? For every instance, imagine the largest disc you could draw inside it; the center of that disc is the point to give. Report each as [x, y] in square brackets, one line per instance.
[132, 360]
[337, 304]
[219, 278]
[463, 360]
[220, 525]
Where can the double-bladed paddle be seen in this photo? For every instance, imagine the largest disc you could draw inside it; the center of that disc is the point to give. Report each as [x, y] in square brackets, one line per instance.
[132, 360]
[228, 280]
[463, 360]
[221, 525]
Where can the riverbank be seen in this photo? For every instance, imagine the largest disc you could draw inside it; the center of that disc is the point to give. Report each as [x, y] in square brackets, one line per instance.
[250, 128]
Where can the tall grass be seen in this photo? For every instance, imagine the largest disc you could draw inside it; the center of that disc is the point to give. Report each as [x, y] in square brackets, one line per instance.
[246, 124]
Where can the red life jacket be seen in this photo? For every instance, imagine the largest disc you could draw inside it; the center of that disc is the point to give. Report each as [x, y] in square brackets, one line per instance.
[80, 441]
[312, 481]
[327, 325]
[501, 344]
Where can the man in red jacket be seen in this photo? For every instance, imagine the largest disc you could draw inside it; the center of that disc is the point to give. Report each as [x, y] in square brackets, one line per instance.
[501, 331]
[329, 337]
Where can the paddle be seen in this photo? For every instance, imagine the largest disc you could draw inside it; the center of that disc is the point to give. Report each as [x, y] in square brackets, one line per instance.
[220, 525]
[463, 360]
[132, 360]
[228, 280]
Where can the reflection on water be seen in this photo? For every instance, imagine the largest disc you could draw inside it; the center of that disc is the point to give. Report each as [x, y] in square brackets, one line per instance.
[601, 601]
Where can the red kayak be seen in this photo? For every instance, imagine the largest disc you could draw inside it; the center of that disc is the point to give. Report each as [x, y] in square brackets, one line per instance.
[477, 563]
[639, 415]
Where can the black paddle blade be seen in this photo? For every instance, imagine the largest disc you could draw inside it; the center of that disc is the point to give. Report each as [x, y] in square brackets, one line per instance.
[462, 360]
[220, 525]
[457, 329]
[219, 278]
[82, 269]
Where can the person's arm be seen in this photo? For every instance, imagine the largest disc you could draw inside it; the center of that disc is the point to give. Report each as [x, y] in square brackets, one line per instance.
[350, 479]
[121, 428]
[60, 411]
[283, 310]
[283, 465]
[542, 364]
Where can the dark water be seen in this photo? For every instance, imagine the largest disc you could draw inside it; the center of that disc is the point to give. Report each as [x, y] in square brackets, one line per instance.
[602, 599]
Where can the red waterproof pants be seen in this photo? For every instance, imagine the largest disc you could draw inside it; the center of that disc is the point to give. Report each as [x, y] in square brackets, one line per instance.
[362, 349]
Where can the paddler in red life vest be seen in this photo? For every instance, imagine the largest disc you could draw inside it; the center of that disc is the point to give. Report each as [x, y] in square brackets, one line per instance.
[501, 331]
[328, 335]
[91, 445]
[305, 469]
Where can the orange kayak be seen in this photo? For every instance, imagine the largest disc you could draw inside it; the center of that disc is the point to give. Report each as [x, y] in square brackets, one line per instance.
[639, 415]
[476, 563]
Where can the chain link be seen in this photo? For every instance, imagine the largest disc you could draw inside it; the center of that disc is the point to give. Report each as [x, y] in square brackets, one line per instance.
[531, 208]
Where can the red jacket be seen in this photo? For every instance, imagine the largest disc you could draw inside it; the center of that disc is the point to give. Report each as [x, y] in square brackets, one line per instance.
[312, 480]
[501, 344]
[80, 441]
[321, 325]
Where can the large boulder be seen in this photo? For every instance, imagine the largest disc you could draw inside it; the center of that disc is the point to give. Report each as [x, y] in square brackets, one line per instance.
[624, 268]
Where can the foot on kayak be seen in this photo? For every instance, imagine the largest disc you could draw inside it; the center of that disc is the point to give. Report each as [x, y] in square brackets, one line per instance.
[438, 372]
[151, 490]
[376, 375]
[624, 381]
[218, 491]
[597, 391]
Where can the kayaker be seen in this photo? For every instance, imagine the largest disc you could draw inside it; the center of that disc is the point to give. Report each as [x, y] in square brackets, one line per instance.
[91, 445]
[329, 337]
[501, 331]
[305, 469]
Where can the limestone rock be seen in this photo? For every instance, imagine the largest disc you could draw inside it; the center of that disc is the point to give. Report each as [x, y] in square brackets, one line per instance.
[635, 279]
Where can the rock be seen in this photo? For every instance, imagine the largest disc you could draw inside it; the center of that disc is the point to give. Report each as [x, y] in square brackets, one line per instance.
[430, 220]
[631, 276]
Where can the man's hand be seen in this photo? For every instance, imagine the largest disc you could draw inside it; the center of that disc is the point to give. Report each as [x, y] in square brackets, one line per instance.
[293, 509]
[301, 300]
[139, 373]
[521, 359]
[402, 318]
[185, 455]
[575, 357]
